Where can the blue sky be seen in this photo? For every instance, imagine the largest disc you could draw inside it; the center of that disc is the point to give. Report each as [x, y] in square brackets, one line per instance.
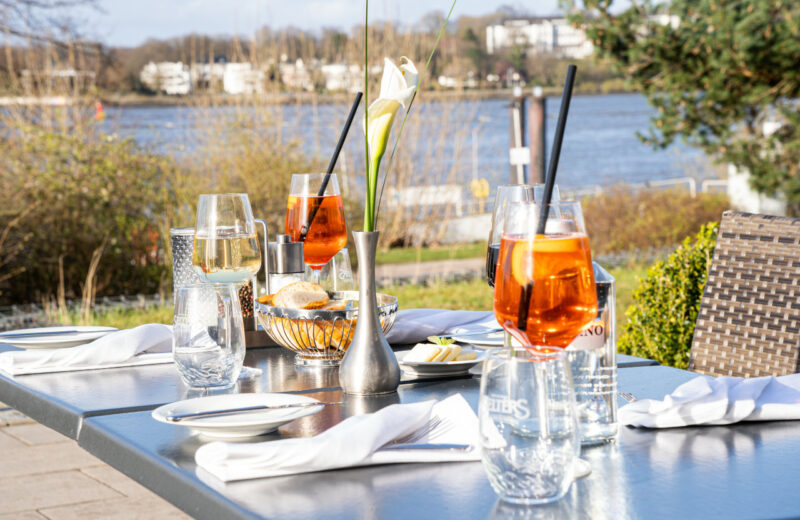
[130, 22]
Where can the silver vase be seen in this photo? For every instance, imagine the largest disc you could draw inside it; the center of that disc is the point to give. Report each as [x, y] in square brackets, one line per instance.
[369, 367]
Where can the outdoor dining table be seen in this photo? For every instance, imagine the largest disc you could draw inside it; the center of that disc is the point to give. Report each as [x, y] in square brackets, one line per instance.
[63, 400]
[739, 471]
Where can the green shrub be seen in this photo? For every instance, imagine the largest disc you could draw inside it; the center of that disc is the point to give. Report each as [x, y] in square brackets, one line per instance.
[622, 219]
[79, 193]
[662, 317]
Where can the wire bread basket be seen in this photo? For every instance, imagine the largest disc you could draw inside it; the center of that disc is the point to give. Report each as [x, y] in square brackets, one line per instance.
[320, 337]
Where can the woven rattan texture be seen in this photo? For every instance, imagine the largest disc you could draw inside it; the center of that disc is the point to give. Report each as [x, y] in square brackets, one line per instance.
[749, 320]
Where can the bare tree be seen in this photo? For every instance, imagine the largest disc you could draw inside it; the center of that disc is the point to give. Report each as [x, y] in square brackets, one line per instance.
[39, 21]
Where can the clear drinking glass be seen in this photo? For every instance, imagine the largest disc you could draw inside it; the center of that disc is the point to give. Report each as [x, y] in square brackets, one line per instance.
[336, 275]
[208, 335]
[593, 360]
[225, 246]
[528, 425]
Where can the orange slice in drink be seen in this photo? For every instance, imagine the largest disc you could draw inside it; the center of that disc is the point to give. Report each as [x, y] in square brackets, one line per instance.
[522, 262]
[549, 255]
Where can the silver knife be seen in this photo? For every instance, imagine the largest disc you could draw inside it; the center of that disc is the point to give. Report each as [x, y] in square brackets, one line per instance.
[430, 446]
[474, 333]
[232, 411]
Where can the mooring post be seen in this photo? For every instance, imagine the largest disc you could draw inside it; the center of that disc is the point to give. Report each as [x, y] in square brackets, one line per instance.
[537, 116]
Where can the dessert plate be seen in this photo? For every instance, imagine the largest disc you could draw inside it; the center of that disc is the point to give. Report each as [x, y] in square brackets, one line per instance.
[241, 424]
[434, 368]
[54, 337]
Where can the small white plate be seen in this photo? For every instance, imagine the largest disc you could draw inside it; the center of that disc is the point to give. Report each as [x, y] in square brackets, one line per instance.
[245, 424]
[448, 368]
[492, 339]
[60, 338]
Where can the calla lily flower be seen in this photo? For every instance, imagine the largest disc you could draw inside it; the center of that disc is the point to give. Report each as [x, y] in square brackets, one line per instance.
[398, 86]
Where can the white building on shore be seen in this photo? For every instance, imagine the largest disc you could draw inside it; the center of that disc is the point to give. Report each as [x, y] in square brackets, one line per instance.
[343, 77]
[243, 78]
[172, 78]
[204, 75]
[552, 34]
[296, 75]
[178, 79]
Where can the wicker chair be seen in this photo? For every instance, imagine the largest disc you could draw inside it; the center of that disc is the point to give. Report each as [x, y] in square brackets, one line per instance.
[749, 320]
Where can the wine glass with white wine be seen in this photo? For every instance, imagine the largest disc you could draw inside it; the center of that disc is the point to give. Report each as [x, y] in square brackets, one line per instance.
[225, 248]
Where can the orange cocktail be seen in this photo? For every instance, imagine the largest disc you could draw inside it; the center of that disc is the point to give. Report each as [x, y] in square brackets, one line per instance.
[326, 235]
[553, 274]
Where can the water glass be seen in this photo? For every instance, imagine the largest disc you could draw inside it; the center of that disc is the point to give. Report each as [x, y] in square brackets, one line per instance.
[593, 360]
[529, 433]
[208, 335]
[336, 275]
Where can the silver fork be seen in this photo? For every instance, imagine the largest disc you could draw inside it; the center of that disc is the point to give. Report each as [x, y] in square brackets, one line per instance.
[414, 436]
[433, 429]
[628, 396]
[445, 426]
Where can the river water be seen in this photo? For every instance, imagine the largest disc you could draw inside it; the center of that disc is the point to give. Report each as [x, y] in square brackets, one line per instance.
[600, 146]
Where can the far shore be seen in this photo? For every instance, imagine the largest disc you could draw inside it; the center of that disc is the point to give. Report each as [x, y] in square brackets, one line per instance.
[290, 98]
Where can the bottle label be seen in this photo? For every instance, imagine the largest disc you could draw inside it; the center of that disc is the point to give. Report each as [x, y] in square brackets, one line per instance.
[594, 337]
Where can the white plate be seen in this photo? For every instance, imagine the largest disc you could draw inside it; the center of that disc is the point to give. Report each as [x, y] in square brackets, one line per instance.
[246, 424]
[448, 368]
[84, 334]
[493, 339]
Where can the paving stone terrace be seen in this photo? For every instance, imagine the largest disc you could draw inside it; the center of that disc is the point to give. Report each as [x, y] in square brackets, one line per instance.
[44, 475]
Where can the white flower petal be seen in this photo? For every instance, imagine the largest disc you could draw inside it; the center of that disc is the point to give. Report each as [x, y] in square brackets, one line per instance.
[392, 79]
[381, 116]
[409, 71]
[399, 84]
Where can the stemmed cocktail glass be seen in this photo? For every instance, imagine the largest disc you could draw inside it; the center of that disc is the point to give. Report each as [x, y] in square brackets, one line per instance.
[545, 292]
[318, 221]
[225, 248]
[507, 195]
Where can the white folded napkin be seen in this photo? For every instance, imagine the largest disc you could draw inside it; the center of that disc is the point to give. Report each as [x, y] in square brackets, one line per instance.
[724, 400]
[353, 442]
[414, 325]
[143, 345]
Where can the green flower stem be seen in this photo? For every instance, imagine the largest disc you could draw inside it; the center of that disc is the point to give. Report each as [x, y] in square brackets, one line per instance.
[372, 185]
[369, 224]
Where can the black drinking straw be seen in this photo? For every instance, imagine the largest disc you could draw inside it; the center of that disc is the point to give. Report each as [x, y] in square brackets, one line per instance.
[331, 165]
[566, 97]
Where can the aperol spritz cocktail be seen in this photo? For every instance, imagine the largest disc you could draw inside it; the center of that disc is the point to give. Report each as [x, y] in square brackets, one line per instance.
[544, 286]
[317, 221]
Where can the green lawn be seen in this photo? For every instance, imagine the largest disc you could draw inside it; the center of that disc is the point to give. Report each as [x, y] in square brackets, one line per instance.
[405, 255]
[470, 295]
[627, 279]
[476, 295]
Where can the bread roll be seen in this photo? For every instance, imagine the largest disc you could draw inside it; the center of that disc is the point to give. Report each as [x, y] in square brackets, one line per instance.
[301, 295]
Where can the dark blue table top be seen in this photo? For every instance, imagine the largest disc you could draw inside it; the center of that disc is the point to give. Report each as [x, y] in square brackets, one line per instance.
[738, 471]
